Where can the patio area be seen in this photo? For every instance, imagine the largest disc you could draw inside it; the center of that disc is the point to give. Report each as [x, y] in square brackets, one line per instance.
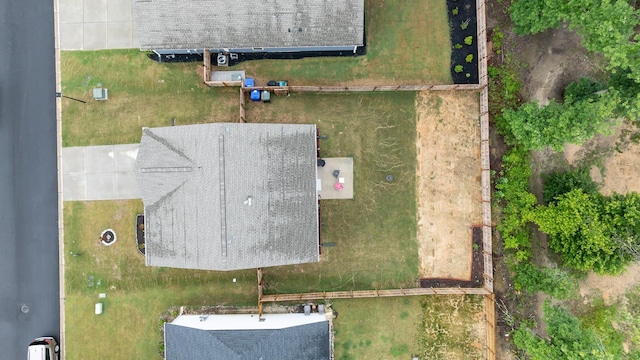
[332, 185]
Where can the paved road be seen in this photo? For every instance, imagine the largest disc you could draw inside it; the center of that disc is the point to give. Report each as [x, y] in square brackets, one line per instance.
[28, 180]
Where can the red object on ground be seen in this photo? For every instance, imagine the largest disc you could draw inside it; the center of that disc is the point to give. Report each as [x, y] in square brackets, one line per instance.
[338, 186]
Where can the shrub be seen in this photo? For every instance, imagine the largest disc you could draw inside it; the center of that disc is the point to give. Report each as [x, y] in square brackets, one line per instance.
[455, 11]
[458, 46]
[467, 75]
[559, 183]
[458, 68]
[469, 58]
[555, 282]
[465, 24]
[468, 40]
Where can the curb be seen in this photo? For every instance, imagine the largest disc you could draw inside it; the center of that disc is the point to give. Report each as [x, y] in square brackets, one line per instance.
[56, 24]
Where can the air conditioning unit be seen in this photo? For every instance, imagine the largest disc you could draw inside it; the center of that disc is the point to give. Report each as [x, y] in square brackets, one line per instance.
[222, 60]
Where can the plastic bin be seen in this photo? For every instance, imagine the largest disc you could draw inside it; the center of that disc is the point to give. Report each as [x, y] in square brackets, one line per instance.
[248, 82]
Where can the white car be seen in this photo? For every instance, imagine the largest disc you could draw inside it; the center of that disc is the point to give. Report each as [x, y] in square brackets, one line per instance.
[43, 348]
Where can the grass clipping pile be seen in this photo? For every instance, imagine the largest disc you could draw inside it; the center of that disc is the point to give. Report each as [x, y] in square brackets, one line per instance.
[448, 182]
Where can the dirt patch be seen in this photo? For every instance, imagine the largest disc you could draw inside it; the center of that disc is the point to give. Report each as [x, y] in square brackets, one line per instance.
[448, 182]
[611, 288]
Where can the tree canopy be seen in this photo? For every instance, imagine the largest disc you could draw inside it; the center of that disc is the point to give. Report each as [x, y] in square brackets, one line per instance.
[606, 26]
[591, 231]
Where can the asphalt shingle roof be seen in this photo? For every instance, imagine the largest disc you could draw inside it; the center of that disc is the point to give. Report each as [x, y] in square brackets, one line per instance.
[229, 196]
[303, 342]
[213, 24]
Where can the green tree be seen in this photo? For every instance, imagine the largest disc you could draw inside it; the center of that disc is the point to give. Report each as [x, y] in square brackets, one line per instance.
[567, 339]
[555, 282]
[558, 183]
[591, 231]
[606, 26]
[555, 124]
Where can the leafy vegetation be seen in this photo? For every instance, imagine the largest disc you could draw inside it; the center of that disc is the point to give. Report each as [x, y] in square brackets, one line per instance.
[567, 338]
[593, 232]
[606, 27]
[556, 282]
[559, 183]
[574, 121]
[518, 203]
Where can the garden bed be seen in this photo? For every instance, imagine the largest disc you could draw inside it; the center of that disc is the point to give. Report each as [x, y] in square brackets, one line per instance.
[464, 41]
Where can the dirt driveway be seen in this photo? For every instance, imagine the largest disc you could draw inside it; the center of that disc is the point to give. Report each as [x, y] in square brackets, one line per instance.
[448, 181]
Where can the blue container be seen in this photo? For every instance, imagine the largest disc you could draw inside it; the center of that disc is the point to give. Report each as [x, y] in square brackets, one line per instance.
[248, 82]
[255, 95]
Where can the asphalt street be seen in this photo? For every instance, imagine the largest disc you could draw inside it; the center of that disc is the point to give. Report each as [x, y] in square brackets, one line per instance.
[28, 179]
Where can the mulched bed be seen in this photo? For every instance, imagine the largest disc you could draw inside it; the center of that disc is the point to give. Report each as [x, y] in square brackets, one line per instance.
[140, 245]
[477, 268]
[466, 13]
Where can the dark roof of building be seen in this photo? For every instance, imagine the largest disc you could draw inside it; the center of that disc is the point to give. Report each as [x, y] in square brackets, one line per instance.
[303, 342]
[212, 24]
[229, 196]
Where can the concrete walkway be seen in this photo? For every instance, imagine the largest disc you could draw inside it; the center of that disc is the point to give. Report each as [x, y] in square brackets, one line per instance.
[97, 25]
[99, 172]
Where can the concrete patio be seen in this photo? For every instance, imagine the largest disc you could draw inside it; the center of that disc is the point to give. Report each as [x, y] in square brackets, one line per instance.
[327, 182]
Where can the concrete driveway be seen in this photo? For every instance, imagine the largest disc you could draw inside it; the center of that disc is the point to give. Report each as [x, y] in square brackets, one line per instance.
[97, 25]
[99, 172]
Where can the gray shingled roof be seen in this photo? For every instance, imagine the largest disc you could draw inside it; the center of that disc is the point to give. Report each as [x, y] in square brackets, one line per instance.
[229, 196]
[304, 342]
[212, 24]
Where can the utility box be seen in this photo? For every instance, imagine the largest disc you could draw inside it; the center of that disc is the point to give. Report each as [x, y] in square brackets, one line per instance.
[98, 309]
[100, 94]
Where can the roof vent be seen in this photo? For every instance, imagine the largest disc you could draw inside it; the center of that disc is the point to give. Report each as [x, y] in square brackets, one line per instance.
[248, 201]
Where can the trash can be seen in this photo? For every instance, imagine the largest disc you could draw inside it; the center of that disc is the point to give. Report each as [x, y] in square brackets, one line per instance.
[255, 95]
[248, 82]
[266, 96]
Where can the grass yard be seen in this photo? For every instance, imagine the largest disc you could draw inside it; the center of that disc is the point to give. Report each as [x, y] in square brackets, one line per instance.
[375, 234]
[408, 43]
[430, 327]
[454, 327]
[141, 93]
[136, 294]
[383, 328]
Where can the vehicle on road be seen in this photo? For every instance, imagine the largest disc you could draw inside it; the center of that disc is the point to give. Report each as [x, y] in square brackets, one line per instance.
[43, 348]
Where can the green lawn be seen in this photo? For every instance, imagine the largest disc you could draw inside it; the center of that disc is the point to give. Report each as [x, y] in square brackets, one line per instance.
[136, 294]
[141, 93]
[430, 327]
[383, 328]
[375, 234]
[408, 42]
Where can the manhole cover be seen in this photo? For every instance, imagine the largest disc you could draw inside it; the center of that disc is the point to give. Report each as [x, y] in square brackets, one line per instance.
[24, 309]
[389, 178]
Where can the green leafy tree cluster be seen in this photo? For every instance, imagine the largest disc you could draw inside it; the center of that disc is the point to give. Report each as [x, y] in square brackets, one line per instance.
[556, 282]
[558, 183]
[591, 231]
[553, 125]
[567, 338]
[606, 26]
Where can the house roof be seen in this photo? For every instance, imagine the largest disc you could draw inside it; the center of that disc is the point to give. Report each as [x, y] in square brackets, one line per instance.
[229, 196]
[307, 340]
[213, 24]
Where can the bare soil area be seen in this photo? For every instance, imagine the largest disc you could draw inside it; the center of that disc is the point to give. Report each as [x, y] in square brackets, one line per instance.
[448, 181]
